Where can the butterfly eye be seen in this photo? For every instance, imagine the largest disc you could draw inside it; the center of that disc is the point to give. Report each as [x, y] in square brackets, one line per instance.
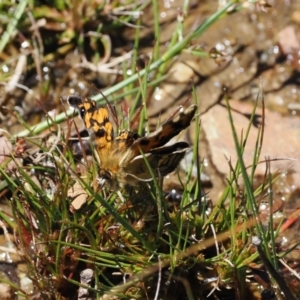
[135, 136]
[105, 174]
[82, 112]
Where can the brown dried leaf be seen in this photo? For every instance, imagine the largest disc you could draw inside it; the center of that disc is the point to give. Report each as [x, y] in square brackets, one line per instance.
[6, 149]
[79, 195]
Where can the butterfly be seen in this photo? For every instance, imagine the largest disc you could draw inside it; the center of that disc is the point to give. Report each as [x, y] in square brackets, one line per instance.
[122, 157]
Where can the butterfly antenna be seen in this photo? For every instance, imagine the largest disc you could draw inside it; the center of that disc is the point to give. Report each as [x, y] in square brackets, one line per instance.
[137, 115]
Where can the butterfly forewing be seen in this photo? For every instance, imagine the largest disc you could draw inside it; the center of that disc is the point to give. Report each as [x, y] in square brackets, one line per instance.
[164, 134]
[96, 120]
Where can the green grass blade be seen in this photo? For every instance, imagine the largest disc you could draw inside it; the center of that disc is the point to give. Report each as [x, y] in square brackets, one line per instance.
[20, 9]
[164, 58]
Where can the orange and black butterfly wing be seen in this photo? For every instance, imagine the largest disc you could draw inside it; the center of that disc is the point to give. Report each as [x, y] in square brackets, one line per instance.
[162, 161]
[161, 136]
[96, 120]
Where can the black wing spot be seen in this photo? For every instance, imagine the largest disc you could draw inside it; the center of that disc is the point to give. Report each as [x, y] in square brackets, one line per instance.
[82, 112]
[135, 136]
[100, 133]
[75, 100]
[144, 142]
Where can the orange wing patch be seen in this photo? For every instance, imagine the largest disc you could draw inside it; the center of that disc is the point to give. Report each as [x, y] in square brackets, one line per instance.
[96, 120]
[122, 158]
